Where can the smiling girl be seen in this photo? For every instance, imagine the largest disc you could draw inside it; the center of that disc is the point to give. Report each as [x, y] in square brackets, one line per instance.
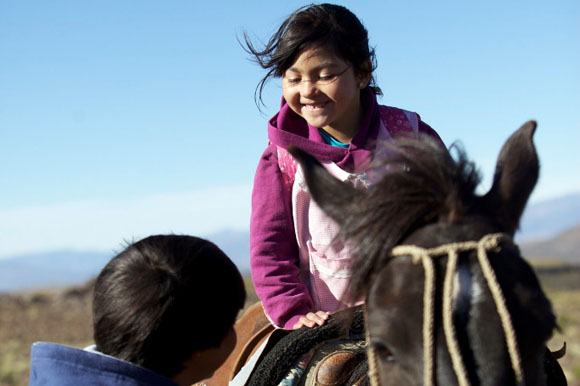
[300, 267]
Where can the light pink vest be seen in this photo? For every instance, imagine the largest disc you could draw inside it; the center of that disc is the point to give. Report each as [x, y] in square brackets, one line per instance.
[325, 260]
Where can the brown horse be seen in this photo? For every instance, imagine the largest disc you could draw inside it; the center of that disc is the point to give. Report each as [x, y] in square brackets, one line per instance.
[449, 299]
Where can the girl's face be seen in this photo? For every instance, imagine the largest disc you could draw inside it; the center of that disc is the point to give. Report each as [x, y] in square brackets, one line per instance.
[324, 90]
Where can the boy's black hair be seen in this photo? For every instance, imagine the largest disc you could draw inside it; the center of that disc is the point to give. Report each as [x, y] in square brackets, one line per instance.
[310, 27]
[163, 298]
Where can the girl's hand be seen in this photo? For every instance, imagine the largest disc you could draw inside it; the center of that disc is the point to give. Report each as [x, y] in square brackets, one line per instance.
[312, 319]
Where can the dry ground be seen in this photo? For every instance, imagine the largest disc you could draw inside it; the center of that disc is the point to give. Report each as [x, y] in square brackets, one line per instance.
[64, 316]
[59, 316]
[567, 307]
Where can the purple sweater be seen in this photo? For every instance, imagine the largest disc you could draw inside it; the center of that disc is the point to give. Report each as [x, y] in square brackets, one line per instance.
[274, 252]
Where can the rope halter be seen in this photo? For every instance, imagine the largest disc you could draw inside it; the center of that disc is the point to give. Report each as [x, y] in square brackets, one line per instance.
[487, 243]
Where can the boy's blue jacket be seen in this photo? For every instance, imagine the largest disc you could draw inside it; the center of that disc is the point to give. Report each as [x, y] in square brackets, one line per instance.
[57, 365]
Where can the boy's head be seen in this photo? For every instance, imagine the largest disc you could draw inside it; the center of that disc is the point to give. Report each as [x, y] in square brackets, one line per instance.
[165, 298]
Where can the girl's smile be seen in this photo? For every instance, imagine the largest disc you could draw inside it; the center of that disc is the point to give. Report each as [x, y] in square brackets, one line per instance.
[324, 90]
[315, 107]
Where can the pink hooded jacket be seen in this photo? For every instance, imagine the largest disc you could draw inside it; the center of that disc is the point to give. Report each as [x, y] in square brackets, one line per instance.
[298, 266]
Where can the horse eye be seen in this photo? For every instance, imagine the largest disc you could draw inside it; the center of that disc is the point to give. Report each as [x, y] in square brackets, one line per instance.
[383, 352]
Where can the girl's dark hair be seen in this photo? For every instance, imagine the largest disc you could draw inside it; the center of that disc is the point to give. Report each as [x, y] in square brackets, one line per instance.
[162, 299]
[315, 25]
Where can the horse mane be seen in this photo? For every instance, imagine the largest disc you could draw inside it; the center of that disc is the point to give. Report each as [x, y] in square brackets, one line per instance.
[422, 184]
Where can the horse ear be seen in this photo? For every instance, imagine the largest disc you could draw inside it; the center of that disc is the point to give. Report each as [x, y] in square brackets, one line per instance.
[332, 195]
[516, 174]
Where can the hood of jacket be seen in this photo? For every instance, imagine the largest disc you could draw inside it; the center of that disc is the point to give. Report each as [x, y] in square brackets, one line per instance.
[288, 128]
[57, 365]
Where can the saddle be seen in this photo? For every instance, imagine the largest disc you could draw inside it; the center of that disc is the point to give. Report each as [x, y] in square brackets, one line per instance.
[338, 362]
[336, 354]
[252, 329]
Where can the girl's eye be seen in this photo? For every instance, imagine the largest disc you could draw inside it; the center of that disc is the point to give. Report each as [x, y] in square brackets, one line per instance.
[327, 78]
[293, 80]
[383, 352]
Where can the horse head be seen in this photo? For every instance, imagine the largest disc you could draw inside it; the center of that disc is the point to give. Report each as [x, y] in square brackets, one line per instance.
[449, 299]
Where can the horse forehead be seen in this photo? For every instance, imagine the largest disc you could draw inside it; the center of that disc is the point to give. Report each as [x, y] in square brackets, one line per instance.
[472, 228]
[403, 280]
[400, 277]
[397, 290]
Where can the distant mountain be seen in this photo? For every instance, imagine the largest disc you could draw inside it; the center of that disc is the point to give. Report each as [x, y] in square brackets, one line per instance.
[549, 229]
[564, 247]
[546, 219]
[66, 267]
[50, 269]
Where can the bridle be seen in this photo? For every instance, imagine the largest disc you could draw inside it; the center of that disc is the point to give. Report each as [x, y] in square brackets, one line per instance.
[490, 242]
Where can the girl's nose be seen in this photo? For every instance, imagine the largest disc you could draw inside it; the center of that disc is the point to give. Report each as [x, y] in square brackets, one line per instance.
[307, 88]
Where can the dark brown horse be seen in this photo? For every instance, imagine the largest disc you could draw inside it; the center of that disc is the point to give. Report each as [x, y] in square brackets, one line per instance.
[449, 299]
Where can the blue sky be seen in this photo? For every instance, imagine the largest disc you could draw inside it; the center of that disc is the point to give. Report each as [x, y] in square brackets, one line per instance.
[123, 119]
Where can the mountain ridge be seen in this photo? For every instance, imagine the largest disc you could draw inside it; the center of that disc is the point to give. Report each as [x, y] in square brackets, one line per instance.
[564, 247]
[549, 231]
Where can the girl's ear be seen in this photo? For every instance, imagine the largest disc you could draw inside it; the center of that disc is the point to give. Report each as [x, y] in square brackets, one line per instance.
[364, 77]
